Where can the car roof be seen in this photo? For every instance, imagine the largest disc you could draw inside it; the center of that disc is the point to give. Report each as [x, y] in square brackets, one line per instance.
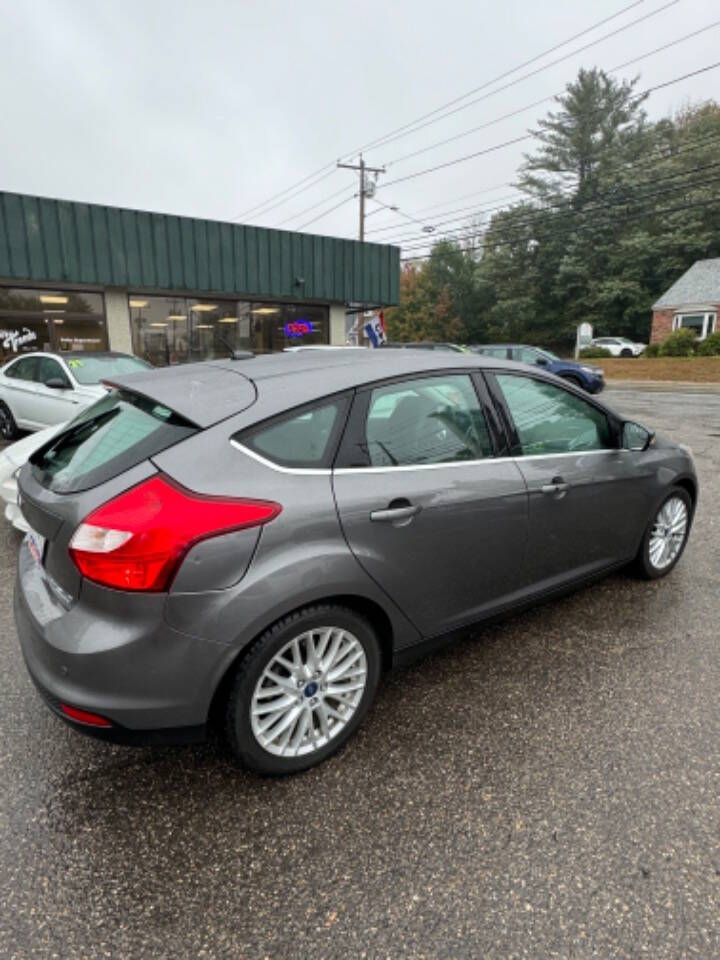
[64, 354]
[213, 390]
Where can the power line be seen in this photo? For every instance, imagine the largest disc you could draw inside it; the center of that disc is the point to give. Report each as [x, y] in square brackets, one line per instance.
[537, 103]
[533, 73]
[326, 169]
[461, 234]
[313, 206]
[558, 206]
[596, 224]
[543, 100]
[540, 212]
[391, 135]
[325, 213]
[507, 143]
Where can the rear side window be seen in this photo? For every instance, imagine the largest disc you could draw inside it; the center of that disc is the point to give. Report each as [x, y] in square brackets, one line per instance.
[22, 369]
[300, 439]
[110, 437]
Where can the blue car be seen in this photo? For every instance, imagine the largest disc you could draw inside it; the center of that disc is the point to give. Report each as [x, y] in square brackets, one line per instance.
[591, 379]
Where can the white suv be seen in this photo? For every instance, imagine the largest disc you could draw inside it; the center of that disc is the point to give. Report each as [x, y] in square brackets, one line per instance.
[39, 390]
[620, 346]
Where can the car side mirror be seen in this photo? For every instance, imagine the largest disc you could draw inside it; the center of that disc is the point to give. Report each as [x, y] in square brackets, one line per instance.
[635, 436]
[541, 362]
[57, 383]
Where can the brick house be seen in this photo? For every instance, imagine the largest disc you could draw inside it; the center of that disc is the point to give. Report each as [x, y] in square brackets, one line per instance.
[693, 301]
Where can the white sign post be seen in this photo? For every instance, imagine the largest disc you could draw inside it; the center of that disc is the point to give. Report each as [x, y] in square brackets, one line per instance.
[583, 337]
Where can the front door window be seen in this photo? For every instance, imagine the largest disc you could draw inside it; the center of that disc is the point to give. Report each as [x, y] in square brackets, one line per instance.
[549, 419]
[428, 420]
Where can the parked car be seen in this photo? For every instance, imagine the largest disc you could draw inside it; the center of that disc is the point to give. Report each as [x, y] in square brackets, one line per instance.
[39, 390]
[589, 378]
[424, 345]
[620, 346]
[257, 540]
[12, 459]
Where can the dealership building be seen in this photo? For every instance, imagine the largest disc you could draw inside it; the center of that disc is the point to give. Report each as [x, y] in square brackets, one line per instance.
[170, 289]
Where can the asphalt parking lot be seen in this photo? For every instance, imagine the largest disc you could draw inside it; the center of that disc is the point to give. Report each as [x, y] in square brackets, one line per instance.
[547, 789]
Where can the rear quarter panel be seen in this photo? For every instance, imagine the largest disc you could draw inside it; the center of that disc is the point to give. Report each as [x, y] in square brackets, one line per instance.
[301, 556]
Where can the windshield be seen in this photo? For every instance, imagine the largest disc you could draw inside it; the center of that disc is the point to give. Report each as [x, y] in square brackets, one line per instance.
[110, 437]
[92, 369]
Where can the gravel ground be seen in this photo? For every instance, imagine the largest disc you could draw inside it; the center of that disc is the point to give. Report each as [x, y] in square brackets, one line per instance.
[549, 789]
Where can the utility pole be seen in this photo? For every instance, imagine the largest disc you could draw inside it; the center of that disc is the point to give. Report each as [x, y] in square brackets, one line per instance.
[367, 189]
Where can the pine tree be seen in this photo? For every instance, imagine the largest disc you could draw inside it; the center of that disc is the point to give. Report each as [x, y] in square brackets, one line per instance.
[598, 116]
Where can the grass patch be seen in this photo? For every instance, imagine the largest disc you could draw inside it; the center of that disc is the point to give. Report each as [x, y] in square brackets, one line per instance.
[690, 369]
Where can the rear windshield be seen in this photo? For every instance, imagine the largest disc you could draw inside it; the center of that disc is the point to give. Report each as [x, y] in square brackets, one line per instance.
[111, 436]
[93, 369]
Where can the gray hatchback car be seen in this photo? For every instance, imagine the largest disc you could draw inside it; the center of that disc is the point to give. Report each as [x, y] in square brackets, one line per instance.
[258, 539]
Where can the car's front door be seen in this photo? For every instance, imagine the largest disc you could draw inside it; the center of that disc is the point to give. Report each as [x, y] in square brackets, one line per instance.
[587, 498]
[52, 405]
[18, 389]
[432, 515]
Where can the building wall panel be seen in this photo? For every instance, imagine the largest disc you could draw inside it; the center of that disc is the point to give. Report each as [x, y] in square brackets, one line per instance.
[54, 241]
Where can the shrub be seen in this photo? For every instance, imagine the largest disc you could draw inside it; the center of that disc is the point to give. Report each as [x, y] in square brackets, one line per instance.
[596, 352]
[678, 344]
[652, 350]
[710, 346]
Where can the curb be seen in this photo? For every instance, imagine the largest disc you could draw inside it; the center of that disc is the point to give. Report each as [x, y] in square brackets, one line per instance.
[664, 386]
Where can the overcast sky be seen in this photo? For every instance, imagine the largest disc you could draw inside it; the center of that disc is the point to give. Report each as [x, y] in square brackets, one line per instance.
[208, 109]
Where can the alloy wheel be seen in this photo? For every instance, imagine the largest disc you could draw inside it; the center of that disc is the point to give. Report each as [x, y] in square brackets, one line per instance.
[668, 533]
[6, 428]
[308, 692]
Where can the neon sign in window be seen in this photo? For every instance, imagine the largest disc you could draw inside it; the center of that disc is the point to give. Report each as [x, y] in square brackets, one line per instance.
[298, 328]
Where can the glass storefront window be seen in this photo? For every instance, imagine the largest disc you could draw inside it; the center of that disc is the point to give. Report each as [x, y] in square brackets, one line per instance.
[168, 330]
[50, 320]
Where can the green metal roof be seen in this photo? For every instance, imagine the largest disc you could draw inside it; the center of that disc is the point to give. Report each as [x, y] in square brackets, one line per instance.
[59, 241]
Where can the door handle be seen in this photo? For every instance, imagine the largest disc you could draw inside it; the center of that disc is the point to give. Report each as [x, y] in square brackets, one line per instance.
[556, 485]
[393, 514]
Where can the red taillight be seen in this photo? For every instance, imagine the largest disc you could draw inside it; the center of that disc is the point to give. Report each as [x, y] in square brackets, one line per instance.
[137, 540]
[83, 716]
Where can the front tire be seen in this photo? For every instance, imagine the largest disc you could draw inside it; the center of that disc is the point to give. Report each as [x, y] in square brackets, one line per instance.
[302, 689]
[626, 352]
[8, 427]
[666, 535]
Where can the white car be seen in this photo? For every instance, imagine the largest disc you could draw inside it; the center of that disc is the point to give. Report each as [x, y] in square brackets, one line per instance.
[39, 390]
[11, 459]
[619, 346]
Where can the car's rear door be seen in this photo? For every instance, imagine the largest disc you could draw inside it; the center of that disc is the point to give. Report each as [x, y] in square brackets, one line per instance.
[430, 511]
[587, 498]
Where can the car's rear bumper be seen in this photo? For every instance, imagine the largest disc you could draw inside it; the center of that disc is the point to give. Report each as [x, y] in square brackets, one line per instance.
[153, 683]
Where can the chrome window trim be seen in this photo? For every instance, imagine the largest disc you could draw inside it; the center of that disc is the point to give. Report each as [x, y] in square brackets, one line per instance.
[471, 463]
[341, 471]
[295, 471]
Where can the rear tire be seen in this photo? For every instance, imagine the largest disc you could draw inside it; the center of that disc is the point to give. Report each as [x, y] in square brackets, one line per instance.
[664, 540]
[8, 427]
[302, 689]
